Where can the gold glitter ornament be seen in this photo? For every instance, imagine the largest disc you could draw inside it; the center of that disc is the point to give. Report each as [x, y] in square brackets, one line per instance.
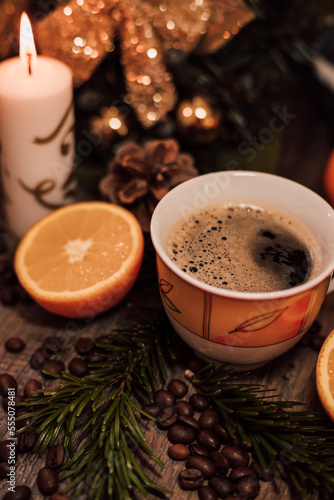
[229, 17]
[83, 32]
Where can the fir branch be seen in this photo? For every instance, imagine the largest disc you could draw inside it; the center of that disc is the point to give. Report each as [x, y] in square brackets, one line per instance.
[300, 440]
[101, 407]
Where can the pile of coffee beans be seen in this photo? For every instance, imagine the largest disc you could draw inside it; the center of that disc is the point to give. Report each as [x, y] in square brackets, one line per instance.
[44, 356]
[216, 465]
[42, 359]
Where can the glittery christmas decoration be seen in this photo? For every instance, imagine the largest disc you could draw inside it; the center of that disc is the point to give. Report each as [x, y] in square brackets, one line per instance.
[10, 13]
[229, 18]
[139, 176]
[83, 32]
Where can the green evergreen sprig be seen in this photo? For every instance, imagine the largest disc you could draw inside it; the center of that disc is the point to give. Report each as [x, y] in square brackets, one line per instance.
[102, 407]
[300, 441]
[96, 419]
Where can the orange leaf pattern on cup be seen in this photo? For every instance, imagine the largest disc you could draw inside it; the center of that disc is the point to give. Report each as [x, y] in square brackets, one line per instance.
[271, 327]
[165, 288]
[259, 322]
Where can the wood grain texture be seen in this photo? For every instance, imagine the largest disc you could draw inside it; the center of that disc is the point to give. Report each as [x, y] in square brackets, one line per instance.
[307, 144]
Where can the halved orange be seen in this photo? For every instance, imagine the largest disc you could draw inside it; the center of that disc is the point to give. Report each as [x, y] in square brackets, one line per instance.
[82, 259]
[325, 375]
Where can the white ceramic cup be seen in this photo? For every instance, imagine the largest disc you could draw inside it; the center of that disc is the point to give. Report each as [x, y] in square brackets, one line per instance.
[242, 329]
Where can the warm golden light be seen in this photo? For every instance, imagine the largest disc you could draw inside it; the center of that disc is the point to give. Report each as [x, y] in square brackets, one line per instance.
[115, 123]
[187, 111]
[28, 52]
[200, 113]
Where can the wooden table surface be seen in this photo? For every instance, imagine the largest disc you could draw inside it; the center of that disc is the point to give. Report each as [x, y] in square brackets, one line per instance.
[306, 146]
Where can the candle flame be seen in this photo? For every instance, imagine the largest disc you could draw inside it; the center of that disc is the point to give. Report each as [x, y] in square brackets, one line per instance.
[28, 52]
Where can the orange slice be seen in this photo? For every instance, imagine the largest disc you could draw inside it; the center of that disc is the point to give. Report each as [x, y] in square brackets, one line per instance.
[82, 259]
[325, 375]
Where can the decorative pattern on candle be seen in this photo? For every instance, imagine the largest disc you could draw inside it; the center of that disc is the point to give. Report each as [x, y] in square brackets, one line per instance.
[37, 136]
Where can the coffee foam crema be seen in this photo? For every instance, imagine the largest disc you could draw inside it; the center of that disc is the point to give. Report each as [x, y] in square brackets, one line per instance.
[244, 247]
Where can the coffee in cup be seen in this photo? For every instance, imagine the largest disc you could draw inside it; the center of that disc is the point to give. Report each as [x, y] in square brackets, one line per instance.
[245, 329]
[244, 247]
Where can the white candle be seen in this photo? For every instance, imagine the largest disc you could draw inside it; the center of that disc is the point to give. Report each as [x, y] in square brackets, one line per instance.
[36, 134]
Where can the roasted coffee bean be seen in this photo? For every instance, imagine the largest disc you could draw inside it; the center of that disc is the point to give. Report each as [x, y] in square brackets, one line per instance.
[38, 359]
[181, 434]
[209, 418]
[15, 344]
[152, 409]
[315, 327]
[55, 366]
[199, 449]
[190, 479]
[189, 422]
[7, 381]
[22, 422]
[31, 388]
[207, 493]
[21, 493]
[195, 364]
[316, 342]
[235, 456]
[9, 295]
[248, 487]
[4, 470]
[166, 418]
[178, 452]
[7, 447]
[184, 408]
[222, 485]
[18, 399]
[164, 398]
[208, 439]
[53, 344]
[26, 441]
[240, 472]
[47, 481]
[178, 388]
[264, 475]
[55, 456]
[84, 346]
[222, 433]
[59, 496]
[199, 402]
[78, 367]
[220, 461]
[237, 441]
[205, 465]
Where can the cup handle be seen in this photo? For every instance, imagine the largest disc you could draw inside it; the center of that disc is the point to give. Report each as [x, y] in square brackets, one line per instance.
[331, 284]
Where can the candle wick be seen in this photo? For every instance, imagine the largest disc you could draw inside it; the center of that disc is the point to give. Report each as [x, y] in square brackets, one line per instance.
[29, 56]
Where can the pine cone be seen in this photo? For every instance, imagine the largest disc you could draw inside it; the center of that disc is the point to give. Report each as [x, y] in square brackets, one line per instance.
[140, 176]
